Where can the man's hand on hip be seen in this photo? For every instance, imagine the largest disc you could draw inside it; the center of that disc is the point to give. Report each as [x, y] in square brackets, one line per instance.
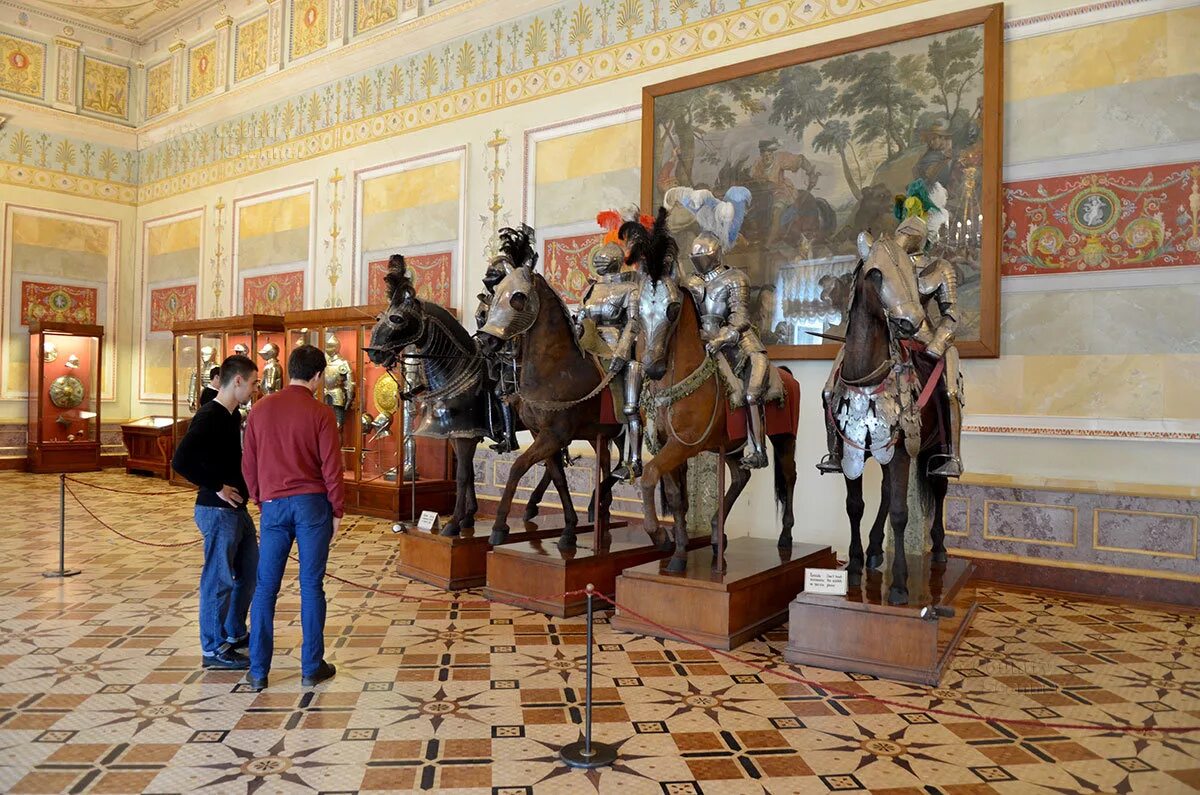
[231, 495]
[337, 523]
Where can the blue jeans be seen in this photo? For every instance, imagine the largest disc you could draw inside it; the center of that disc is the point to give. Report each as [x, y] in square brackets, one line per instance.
[307, 519]
[228, 576]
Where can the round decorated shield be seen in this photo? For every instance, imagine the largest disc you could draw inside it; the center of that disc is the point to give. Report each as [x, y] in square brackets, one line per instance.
[66, 392]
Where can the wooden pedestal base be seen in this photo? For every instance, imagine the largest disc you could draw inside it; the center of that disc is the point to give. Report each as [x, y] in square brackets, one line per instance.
[455, 563]
[862, 633]
[723, 610]
[534, 574]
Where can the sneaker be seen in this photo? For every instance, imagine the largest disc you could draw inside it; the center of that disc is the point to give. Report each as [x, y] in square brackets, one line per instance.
[325, 671]
[232, 646]
[225, 661]
[256, 684]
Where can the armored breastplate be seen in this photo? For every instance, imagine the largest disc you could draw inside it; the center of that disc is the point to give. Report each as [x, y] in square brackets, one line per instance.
[272, 377]
[337, 372]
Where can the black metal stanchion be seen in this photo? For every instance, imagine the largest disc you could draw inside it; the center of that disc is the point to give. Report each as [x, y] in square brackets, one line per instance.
[62, 534]
[585, 753]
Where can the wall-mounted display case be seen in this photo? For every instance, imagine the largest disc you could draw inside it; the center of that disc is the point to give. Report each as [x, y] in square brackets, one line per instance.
[64, 397]
[386, 471]
[201, 345]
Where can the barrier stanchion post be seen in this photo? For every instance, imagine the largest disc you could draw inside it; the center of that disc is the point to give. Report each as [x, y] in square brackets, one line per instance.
[62, 533]
[584, 753]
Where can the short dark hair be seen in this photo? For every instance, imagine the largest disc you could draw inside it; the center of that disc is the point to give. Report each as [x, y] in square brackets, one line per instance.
[237, 365]
[213, 373]
[305, 363]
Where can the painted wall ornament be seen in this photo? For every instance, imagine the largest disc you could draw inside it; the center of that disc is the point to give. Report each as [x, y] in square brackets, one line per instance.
[1144, 217]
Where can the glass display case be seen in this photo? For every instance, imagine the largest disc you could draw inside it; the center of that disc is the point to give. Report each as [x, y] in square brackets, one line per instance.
[64, 397]
[201, 345]
[387, 473]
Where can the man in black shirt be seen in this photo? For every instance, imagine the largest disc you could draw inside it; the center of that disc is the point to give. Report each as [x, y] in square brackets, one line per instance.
[210, 456]
[210, 389]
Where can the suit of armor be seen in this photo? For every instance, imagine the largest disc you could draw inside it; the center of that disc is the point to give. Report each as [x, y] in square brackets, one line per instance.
[272, 372]
[609, 303]
[198, 378]
[412, 380]
[499, 372]
[722, 294]
[339, 380]
[938, 281]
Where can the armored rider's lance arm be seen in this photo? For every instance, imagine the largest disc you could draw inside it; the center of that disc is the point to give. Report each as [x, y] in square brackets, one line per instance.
[624, 349]
[942, 282]
[738, 322]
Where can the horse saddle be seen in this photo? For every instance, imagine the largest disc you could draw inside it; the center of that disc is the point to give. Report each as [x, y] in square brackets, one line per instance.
[735, 387]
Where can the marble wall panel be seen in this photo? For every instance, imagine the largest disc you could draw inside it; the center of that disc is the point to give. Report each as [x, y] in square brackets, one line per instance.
[1031, 523]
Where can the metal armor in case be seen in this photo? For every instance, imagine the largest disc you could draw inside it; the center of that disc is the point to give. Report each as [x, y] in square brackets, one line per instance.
[64, 397]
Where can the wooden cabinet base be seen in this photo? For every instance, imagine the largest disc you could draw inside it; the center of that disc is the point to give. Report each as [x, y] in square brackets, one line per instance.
[535, 574]
[723, 610]
[459, 562]
[387, 500]
[861, 633]
[67, 457]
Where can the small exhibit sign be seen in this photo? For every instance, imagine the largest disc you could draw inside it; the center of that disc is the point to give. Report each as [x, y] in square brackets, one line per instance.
[428, 520]
[832, 582]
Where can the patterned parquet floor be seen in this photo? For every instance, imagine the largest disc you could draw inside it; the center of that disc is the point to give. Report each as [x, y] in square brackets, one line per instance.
[101, 689]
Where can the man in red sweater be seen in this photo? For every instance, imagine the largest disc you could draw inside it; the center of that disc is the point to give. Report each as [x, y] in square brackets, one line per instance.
[292, 463]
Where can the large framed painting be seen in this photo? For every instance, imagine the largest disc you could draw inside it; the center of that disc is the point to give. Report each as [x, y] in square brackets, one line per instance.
[824, 138]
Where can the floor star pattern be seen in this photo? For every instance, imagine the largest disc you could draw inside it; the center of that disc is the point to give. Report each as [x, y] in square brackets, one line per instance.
[101, 689]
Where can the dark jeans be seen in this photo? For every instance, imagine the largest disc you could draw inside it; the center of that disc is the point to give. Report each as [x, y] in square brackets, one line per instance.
[308, 520]
[228, 576]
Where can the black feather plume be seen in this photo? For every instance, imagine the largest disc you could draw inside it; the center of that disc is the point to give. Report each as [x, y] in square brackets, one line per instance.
[657, 250]
[517, 244]
[396, 278]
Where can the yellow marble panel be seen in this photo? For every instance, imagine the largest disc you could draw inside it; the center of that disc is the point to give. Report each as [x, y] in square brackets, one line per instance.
[373, 13]
[61, 233]
[202, 70]
[250, 57]
[1111, 386]
[993, 386]
[158, 89]
[1122, 51]
[175, 236]
[22, 66]
[415, 187]
[310, 27]
[105, 88]
[613, 148]
[1181, 380]
[276, 215]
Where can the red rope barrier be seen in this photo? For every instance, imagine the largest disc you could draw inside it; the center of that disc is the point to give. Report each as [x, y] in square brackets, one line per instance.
[101, 522]
[124, 491]
[1120, 727]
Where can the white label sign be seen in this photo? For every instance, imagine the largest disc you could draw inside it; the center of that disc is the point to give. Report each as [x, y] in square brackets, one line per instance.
[825, 581]
[428, 520]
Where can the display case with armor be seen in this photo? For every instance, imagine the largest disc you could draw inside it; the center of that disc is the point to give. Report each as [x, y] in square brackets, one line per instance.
[201, 345]
[64, 397]
[386, 470]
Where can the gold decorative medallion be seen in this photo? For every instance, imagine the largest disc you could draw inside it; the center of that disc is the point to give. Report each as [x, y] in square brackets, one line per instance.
[387, 394]
[310, 26]
[22, 66]
[202, 70]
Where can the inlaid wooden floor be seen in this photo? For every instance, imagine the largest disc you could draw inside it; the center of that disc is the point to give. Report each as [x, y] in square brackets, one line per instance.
[101, 690]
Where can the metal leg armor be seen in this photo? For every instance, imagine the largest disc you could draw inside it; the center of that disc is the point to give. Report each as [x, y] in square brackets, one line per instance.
[832, 462]
[509, 441]
[950, 463]
[632, 468]
[755, 454]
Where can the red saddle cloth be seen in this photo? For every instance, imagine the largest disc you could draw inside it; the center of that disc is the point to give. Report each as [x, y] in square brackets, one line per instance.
[608, 413]
[781, 417]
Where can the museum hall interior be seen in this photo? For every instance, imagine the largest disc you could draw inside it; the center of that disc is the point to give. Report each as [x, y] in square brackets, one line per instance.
[545, 397]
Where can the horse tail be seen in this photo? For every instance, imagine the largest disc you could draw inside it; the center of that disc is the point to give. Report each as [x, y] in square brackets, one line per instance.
[780, 481]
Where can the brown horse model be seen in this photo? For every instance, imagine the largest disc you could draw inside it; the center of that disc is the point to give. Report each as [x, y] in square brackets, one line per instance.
[877, 386]
[688, 404]
[559, 387]
[455, 390]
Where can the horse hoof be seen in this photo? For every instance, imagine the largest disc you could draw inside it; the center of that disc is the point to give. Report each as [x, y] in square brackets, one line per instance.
[897, 596]
[451, 529]
[530, 514]
[567, 540]
[664, 544]
[785, 541]
[939, 556]
[499, 536]
[874, 561]
[677, 565]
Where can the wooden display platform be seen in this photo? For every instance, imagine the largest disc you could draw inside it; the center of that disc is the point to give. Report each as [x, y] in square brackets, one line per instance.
[862, 633]
[454, 563]
[533, 574]
[723, 610]
[385, 499]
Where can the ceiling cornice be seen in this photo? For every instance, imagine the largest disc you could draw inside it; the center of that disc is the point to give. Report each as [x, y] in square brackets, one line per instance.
[138, 39]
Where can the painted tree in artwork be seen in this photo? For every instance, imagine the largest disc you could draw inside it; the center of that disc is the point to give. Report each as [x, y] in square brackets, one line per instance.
[802, 99]
[685, 119]
[882, 93]
[629, 16]
[580, 29]
[953, 63]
